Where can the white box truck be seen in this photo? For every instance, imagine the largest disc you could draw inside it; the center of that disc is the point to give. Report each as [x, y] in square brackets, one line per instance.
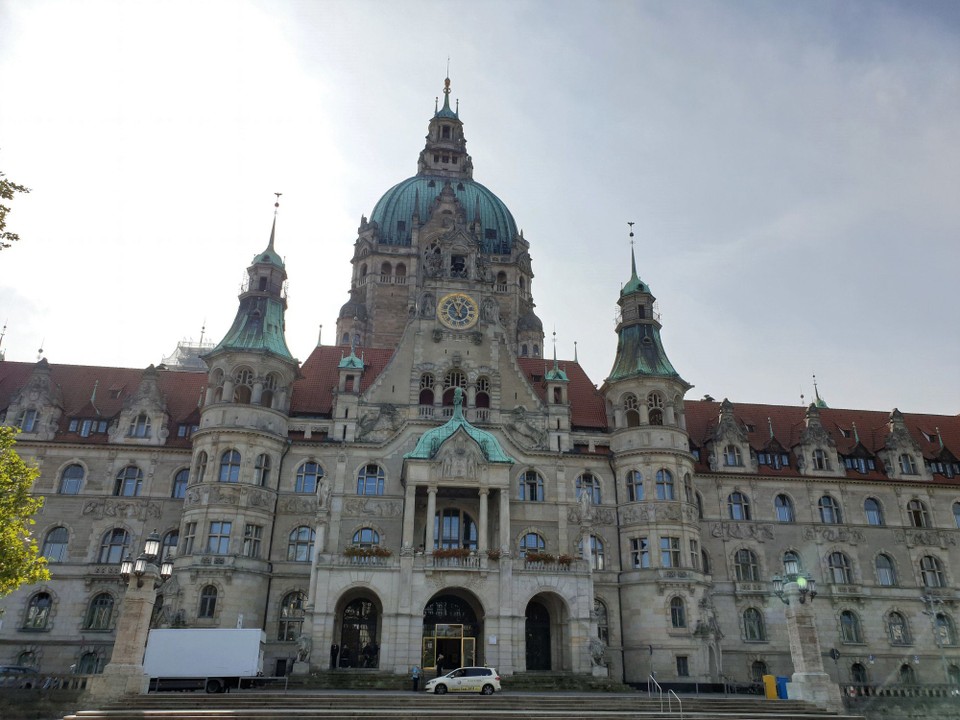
[213, 659]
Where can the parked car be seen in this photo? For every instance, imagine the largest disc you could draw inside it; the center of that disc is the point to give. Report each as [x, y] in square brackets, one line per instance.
[18, 676]
[481, 680]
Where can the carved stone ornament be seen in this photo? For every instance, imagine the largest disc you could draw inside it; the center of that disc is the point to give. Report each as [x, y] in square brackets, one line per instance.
[379, 424]
[590, 514]
[357, 507]
[932, 538]
[128, 509]
[742, 531]
[299, 505]
[522, 431]
[833, 534]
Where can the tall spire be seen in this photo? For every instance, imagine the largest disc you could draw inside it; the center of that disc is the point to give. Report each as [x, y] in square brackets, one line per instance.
[273, 229]
[820, 402]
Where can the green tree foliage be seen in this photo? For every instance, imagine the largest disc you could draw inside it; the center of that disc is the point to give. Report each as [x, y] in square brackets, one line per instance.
[7, 191]
[20, 559]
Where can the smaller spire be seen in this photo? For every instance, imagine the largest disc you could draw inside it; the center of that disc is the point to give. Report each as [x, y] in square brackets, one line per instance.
[575, 359]
[770, 426]
[320, 336]
[821, 403]
[856, 435]
[93, 397]
[273, 230]
[940, 438]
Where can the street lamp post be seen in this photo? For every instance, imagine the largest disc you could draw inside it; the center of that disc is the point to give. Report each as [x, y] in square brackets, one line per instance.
[124, 674]
[809, 682]
[934, 606]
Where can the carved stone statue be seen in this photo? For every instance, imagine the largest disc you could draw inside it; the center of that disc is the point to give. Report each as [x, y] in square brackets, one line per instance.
[597, 652]
[304, 648]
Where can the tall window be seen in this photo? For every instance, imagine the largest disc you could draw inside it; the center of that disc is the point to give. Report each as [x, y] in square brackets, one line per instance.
[270, 385]
[531, 486]
[453, 529]
[738, 506]
[139, 426]
[757, 670]
[917, 511]
[631, 410]
[791, 563]
[678, 613]
[597, 557]
[946, 632]
[829, 511]
[746, 566]
[426, 389]
[71, 480]
[230, 466]
[291, 616]
[252, 539]
[218, 539]
[308, 475]
[665, 489]
[55, 544]
[261, 470]
[783, 506]
[208, 602]
[873, 510]
[300, 544]
[99, 613]
[482, 399]
[839, 565]
[113, 546]
[129, 482]
[956, 513]
[370, 480]
[634, 486]
[243, 386]
[189, 535]
[168, 546]
[640, 552]
[886, 574]
[897, 629]
[180, 481]
[201, 465]
[907, 675]
[531, 542]
[753, 628]
[908, 466]
[820, 461]
[589, 484]
[28, 420]
[931, 571]
[670, 552]
[731, 456]
[858, 674]
[603, 623]
[654, 409]
[850, 628]
[38, 611]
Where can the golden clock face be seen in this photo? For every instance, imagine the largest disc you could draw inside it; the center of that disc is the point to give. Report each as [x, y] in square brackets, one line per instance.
[457, 311]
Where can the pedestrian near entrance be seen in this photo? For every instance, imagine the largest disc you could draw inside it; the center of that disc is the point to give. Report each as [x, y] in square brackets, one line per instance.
[440, 660]
[415, 677]
[334, 652]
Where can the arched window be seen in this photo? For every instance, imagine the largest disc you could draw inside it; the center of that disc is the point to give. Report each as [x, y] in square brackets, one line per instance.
[829, 511]
[180, 481]
[453, 380]
[55, 544]
[71, 480]
[631, 410]
[588, 483]
[308, 475]
[732, 457]
[597, 557]
[678, 613]
[270, 385]
[89, 664]
[113, 546]
[738, 506]
[261, 470]
[839, 565]
[858, 674]
[426, 389]
[917, 511]
[784, 509]
[897, 629]
[665, 489]
[400, 273]
[746, 565]
[757, 670]
[482, 399]
[366, 537]
[753, 628]
[129, 482]
[531, 542]
[291, 616]
[791, 563]
[453, 528]
[38, 611]
[168, 546]
[946, 632]
[908, 466]
[243, 386]
[139, 426]
[886, 573]
[931, 571]
[230, 466]
[634, 486]
[603, 623]
[208, 602]
[300, 544]
[370, 480]
[654, 409]
[850, 627]
[201, 466]
[956, 513]
[99, 613]
[873, 510]
[953, 673]
[531, 486]
[906, 675]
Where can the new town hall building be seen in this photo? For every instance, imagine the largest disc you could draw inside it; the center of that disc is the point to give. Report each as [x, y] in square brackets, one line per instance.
[434, 484]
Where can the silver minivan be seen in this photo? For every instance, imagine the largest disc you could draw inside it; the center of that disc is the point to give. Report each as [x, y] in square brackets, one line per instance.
[481, 680]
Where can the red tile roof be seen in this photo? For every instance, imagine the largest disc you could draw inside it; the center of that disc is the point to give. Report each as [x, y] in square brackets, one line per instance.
[588, 408]
[313, 392]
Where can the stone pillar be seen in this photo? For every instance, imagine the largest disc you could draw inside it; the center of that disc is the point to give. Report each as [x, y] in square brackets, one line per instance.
[482, 535]
[809, 681]
[124, 674]
[505, 541]
[409, 514]
[431, 515]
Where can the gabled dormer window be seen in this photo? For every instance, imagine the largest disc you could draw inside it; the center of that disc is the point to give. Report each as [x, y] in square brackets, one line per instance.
[908, 466]
[28, 420]
[860, 464]
[820, 460]
[139, 426]
[774, 460]
[732, 457]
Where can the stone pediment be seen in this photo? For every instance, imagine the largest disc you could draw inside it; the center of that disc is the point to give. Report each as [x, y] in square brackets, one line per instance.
[460, 457]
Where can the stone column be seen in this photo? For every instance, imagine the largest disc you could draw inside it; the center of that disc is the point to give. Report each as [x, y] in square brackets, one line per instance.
[505, 541]
[124, 674]
[431, 515]
[482, 535]
[409, 514]
[809, 681]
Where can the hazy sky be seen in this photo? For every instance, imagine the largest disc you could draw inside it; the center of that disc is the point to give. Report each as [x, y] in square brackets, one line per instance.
[792, 169]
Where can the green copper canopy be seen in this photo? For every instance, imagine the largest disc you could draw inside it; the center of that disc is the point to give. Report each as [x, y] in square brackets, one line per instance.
[258, 326]
[430, 442]
[640, 352]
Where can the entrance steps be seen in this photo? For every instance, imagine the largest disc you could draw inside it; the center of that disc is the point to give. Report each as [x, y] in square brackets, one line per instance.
[374, 705]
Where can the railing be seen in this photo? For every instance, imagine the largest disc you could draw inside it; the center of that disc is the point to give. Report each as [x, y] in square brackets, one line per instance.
[652, 679]
[577, 565]
[470, 562]
[364, 560]
[425, 411]
[500, 287]
[44, 681]
[670, 703]
[483, 414]
[446, 412]
[856, 691]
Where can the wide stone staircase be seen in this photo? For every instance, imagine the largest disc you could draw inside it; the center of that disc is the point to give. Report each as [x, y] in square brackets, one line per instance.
[392, 705]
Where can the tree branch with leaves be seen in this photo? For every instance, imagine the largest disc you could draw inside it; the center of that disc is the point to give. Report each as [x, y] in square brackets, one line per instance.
[20, 559]
[7, 190]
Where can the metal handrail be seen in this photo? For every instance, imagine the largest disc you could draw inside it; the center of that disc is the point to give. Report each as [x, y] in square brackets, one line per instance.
[652, 679]
[670, 703]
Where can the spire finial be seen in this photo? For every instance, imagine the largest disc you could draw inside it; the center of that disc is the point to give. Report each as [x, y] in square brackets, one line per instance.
[633, 258]
[940, 438]
[273, 230]
[203, 331]
[40, 351]
[575, 359]
[554, 349]
[770, 426]
[856, 435]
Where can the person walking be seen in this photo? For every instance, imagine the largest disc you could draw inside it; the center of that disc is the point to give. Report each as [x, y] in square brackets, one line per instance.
[440, 660]
[415, 677]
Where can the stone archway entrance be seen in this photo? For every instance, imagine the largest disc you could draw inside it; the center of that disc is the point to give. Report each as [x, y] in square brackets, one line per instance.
[537, 635]
[451, 627]
[358, 632]
[546, 636]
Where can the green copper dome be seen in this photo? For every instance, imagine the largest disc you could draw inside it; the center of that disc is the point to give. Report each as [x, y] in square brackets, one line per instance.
[394, 211]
